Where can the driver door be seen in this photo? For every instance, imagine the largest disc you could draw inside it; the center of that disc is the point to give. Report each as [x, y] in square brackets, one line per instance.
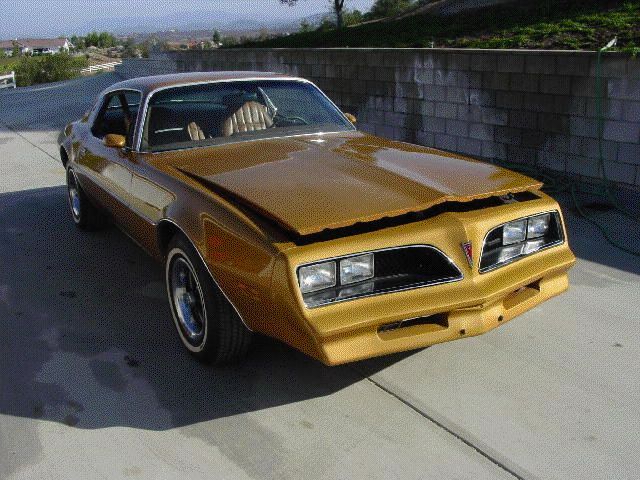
[106, 171]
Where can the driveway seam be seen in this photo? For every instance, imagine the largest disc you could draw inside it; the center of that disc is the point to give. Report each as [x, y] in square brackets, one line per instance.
[16, 132]
[486, 455]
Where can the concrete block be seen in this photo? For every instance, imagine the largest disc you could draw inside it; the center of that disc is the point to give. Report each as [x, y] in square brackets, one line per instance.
[493, 80]
[385, 131]
[573, 65]
[572, 105]
[633, 68]
[613, 66]
[523, 119]
[435, 92]
[494, 116]
[533, 139]
[459, 61]
[458, 128]
[423, 76]
[494, 150]
[631, 111]
[457, 95]
[542, 63]
[446, 142]
[400, 105]
[470, 146]
[590, 147]
[426, 108]
[621, 172]
[426, 139]
[375, 59]
[385, 74]
[469, 79]
[512, 100]
[434, 125]
[518, 154]
[318, 70]
[539, 102]
[555, 84]
[586, 87]
[524, 82]
[448, 78]
[583, 127]
[481, 131]
[629, 153]
[446, 110]
[553, 160]
[624, 89]
[470, 113]
[484, 62]
[395, 119]
[510, 63]
[611, 109]
[510, 136]
[622, 131]
[482, 98]
[550, 122]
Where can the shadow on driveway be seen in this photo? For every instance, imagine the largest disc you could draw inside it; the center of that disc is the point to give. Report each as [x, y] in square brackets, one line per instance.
[87, 337]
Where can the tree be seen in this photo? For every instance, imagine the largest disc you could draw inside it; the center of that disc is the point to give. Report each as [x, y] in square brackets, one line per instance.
[17, 51]
[338, 8]
[216, 38]
[389, 8]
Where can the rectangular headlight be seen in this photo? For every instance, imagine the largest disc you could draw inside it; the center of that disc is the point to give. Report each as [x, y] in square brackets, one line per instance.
[538, 226]
[356, 269]
[317, 277]
[514, 232]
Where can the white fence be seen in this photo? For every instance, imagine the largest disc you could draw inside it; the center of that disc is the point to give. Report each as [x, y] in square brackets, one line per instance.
[8, 81]
[105, 67]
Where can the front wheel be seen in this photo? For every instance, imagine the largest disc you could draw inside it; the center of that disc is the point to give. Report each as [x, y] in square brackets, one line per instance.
[84, 214]
[206, 322]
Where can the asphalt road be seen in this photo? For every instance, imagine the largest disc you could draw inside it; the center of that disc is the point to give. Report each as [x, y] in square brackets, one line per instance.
[94, 382]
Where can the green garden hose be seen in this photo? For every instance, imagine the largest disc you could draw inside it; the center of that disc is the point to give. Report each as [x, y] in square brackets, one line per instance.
[558, 183]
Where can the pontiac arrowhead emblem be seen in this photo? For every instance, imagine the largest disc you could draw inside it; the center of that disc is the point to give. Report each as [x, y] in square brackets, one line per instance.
[468, 252]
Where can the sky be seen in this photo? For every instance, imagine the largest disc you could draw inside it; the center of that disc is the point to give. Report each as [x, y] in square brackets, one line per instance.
[24, 18]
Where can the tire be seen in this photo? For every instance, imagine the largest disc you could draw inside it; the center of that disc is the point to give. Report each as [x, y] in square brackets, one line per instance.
[207, 324]
[84, 214]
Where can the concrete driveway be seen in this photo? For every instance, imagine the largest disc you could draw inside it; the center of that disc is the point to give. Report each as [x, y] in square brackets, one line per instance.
[94, 382]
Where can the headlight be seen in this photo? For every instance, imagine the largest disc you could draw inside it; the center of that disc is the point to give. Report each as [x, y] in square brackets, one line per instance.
[356, 269]
[538, 226]
[514, 232]
[317, 277]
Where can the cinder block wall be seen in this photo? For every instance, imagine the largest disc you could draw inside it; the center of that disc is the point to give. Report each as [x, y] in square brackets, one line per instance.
[532, 107]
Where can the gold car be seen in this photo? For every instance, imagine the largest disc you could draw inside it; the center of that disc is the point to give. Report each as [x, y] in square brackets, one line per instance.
[273, 214]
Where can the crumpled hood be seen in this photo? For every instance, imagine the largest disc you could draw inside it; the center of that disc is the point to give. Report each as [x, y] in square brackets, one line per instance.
[309, 184]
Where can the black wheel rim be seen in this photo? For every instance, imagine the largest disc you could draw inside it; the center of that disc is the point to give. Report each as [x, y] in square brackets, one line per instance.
[187, 300]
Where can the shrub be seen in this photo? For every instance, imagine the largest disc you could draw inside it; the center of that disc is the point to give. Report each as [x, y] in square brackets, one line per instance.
[48, 68]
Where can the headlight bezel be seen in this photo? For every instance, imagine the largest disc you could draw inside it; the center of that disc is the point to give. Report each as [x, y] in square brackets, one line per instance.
[555, 223]
[384, 281]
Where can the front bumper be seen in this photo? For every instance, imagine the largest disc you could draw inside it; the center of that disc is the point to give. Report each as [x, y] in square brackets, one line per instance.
[364, 328]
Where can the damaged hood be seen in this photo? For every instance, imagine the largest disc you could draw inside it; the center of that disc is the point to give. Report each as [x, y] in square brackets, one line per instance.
[308, 184]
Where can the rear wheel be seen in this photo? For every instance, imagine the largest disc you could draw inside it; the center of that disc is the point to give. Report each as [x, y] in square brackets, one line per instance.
[206, 322]
[84, 214]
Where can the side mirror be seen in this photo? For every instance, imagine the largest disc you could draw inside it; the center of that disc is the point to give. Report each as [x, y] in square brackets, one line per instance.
[115, 141]
[351, 118]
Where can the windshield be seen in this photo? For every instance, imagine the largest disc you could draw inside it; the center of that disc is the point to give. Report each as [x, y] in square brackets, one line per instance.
[223, 112]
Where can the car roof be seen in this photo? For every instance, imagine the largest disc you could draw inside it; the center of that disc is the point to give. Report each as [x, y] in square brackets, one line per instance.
[149, 84]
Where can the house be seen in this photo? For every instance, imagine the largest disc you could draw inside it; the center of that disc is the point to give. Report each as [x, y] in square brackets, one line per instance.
[36, 46]
[8, 46]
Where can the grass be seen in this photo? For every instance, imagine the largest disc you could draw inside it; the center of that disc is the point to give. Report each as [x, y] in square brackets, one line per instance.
[539, 24]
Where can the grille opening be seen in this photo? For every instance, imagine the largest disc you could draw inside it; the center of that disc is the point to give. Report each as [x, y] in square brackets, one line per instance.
[439, 320]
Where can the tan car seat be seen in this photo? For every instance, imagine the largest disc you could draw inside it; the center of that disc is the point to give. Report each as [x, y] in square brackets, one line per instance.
[249, 117]
[195, 132]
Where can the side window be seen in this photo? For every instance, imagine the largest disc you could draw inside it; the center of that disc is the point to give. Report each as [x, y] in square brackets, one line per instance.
[118, 115]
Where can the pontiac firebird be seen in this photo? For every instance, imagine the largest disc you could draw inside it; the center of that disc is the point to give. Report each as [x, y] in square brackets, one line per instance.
[272, 213]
